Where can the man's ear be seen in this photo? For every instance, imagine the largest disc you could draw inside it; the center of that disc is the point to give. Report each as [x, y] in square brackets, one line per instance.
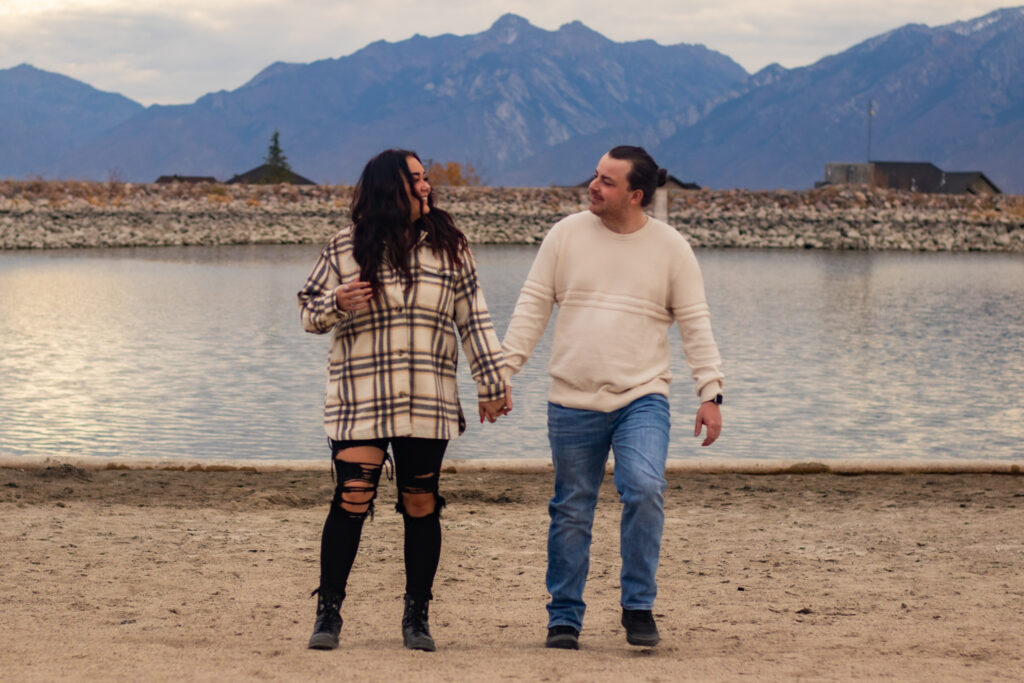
[636, 197]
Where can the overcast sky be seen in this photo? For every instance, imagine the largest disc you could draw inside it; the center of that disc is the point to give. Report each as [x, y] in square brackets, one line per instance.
[174, 51]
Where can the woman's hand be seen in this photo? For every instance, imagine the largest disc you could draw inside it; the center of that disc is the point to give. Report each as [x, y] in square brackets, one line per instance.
[353, 295]
[492, 410]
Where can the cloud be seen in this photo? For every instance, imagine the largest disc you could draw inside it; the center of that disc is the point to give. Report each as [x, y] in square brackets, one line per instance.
[173, 53]
[176, 52]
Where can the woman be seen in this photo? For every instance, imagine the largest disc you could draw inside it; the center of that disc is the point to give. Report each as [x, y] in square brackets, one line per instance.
[389, 289]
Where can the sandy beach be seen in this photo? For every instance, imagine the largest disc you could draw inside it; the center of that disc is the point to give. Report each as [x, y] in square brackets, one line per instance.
[151, 574]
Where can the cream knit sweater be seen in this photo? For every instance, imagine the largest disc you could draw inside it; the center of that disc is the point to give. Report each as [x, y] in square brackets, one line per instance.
[617, 296]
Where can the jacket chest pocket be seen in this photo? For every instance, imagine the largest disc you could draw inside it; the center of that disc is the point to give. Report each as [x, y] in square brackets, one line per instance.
[434, 290]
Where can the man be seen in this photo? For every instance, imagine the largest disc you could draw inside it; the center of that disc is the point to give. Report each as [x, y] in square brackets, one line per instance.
[620, 279]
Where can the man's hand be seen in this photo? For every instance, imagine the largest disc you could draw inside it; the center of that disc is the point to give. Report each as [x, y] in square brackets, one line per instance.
[709, 415]
[492, 410]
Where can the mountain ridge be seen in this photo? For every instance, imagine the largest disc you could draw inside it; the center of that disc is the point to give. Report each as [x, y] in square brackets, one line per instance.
[494, 99]
[529, 106]
[940, 95]
[46, 112]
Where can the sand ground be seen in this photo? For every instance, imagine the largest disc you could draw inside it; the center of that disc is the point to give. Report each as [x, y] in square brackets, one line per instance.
[161, 575]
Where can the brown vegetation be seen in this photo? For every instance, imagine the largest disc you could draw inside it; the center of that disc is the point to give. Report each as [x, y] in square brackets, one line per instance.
[452, 173]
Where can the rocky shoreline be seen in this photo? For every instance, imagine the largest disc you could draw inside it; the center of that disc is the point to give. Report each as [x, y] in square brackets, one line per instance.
[54, 215]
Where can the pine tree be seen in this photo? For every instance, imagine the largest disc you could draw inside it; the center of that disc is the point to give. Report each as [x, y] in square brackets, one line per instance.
[277, 161]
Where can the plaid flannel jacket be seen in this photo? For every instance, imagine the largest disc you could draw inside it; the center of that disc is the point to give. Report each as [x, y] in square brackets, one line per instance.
[391, 369]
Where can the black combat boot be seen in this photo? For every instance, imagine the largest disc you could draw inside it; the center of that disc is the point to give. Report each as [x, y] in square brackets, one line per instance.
[415, 631]
[328, 621]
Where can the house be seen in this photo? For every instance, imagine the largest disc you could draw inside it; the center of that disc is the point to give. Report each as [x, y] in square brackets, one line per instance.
[269, 175]
[168, 179]
[913, 176]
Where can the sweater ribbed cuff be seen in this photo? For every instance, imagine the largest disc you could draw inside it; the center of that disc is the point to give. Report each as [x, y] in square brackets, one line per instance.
[709, 391]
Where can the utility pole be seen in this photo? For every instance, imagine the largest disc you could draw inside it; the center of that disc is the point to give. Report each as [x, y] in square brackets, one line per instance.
[871, 113]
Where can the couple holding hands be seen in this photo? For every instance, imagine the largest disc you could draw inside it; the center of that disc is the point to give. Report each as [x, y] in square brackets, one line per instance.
[393, 288]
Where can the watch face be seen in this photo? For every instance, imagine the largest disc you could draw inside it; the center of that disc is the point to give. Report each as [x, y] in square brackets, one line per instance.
[718, 399]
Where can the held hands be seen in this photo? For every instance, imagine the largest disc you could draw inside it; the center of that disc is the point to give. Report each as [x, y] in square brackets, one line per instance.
[709, 415]
[353, 296]
[492, 410]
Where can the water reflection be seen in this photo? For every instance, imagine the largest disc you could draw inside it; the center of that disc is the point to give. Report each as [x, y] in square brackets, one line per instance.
[198, 353]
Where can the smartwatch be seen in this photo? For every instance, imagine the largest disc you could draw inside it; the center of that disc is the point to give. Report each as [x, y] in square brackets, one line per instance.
[717, 400]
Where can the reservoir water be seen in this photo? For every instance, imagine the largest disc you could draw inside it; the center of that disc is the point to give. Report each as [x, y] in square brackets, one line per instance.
[197, 353]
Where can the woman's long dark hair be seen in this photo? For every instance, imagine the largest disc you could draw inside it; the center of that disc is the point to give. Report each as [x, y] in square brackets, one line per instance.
[383, 232]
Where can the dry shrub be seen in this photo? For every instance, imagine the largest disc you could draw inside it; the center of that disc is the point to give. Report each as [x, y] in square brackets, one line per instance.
[452, 173]
[290, 193]
[1014, 206]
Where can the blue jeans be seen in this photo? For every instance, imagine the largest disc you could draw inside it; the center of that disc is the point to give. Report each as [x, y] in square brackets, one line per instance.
[580, 441]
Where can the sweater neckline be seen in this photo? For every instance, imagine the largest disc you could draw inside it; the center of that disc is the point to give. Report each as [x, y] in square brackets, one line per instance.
[623, 237]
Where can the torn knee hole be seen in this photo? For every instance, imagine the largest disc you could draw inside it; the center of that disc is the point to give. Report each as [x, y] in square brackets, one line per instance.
[418, 498]
[428, 479]
[350, 472]
[412, 507]
[355, 497]
[362, 512]
[362, 501]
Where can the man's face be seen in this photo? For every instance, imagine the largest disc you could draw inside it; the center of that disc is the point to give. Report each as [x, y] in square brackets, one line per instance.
[610, 196]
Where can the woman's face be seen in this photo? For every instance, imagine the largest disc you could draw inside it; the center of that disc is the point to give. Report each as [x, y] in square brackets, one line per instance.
[418, 191]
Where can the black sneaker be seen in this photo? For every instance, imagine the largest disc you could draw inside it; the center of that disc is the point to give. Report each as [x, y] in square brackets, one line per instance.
[640, 627]
[563, 638]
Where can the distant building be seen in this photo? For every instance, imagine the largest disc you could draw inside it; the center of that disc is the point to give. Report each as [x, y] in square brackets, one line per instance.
[912, 176]
[168, 179]
[269, 175]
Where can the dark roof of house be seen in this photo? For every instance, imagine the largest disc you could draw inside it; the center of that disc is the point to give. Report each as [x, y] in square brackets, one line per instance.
[926, 177]
[906, 166]
[267, 174]
[961, 182]
[167, 179]
[916, 176]
[681, 185]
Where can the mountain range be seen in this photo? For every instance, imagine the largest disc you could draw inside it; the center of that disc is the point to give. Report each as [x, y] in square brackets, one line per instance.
[528, 106]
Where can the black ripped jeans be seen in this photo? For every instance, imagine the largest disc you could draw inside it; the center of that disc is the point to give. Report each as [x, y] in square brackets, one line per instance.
[417, 468]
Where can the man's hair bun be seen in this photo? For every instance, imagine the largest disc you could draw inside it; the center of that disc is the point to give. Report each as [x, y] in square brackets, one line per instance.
[662, 176]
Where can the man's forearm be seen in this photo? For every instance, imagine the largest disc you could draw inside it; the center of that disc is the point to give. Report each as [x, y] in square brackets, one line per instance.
[529, 320]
